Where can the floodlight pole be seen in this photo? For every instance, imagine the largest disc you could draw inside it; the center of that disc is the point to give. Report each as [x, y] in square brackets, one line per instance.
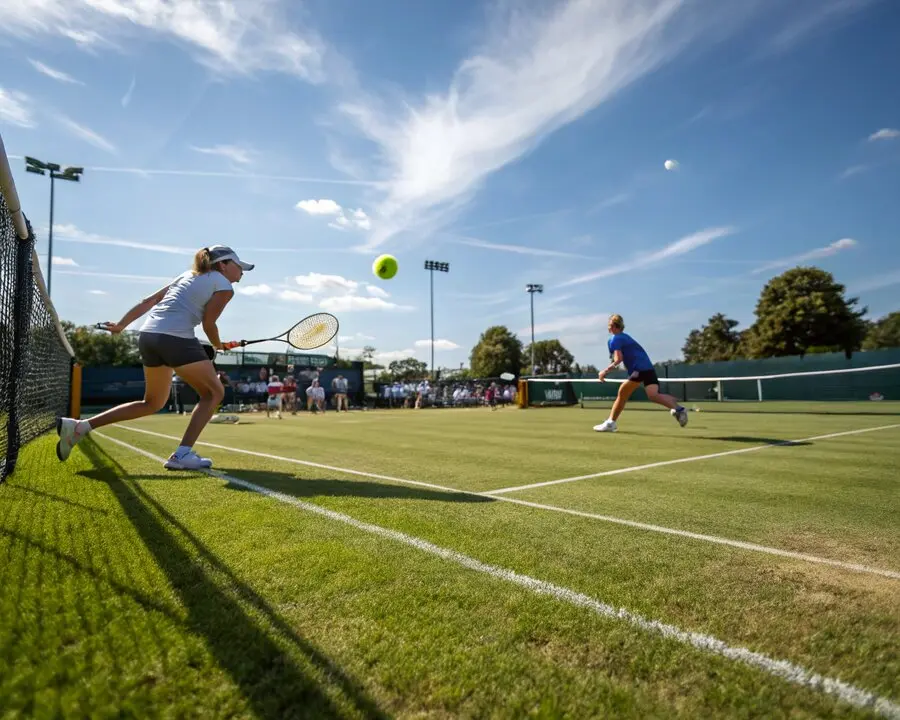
[431, 266]
[72, 174]
[533, 288]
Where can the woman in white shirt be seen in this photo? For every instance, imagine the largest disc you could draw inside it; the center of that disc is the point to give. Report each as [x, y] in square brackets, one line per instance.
[168, 344]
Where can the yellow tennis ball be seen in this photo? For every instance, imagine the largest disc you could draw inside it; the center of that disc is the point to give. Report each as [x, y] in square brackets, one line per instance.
[385, 266]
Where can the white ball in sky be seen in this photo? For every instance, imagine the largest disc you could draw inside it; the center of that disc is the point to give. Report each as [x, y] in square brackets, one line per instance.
[670, 164]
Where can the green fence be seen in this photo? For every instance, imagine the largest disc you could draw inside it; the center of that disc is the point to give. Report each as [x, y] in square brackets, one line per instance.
[836, 386]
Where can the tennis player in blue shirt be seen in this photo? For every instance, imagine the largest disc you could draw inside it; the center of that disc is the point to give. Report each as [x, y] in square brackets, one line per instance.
[625, 349]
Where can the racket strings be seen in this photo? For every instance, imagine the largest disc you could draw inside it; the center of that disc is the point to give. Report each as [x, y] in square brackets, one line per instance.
[313, 332]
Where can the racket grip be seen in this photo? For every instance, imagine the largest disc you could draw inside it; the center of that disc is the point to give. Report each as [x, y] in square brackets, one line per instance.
[231, 345]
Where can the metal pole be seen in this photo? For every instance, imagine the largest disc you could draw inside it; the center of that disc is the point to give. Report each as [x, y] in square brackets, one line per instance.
[532, 333]
[50, 248]
[431, 274]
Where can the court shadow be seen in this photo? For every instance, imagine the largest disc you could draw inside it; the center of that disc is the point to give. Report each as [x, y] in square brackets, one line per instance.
[57, 498]
[754, 440]
[270, 678]
[333, 487]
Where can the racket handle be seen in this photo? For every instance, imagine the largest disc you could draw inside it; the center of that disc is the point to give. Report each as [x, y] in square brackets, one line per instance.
[231, 345]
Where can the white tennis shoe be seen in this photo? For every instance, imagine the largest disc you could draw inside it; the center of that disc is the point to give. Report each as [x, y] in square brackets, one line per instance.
[607, 426]
[188, 461]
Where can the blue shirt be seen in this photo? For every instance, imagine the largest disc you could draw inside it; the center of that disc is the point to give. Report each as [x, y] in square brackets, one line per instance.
[634, 356]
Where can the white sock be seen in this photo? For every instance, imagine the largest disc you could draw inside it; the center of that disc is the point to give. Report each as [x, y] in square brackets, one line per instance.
[182, 451]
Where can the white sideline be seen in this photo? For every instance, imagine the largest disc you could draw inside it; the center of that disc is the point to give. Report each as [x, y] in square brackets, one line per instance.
[783, 669]
[664, 463]
[603, 518]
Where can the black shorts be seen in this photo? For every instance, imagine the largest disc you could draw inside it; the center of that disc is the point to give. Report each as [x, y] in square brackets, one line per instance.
[159, 350]
[647, 377]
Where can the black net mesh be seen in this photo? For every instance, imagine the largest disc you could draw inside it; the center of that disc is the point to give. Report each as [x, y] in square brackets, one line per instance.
[35, 364]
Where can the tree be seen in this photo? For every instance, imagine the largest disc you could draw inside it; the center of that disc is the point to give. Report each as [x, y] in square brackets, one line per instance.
[497, 351]
[884, 333]
[367, 358]
[714, 342]
[550, 357]
[93, 347]
[802, 310]
[407, 369]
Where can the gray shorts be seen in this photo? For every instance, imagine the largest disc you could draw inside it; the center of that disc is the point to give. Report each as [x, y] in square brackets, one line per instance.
[159, 350]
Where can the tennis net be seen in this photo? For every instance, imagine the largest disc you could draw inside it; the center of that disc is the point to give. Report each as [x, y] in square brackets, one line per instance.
[877, 382]
[36, 360]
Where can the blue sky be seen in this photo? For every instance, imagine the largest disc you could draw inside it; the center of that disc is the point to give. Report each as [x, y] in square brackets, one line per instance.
[522, 142]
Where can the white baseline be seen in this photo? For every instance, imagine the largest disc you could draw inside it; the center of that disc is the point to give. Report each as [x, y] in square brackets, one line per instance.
[782, 669]
[553, 508]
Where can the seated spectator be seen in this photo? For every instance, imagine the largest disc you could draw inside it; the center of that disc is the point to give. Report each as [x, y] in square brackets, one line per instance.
[315, 395]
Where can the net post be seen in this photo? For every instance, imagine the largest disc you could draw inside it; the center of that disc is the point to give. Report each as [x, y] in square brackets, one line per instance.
[522, 395]
[75, 391]
[759, 389]
[719, 394]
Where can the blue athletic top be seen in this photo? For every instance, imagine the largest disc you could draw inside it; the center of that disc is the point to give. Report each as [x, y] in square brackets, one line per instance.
[634, 356]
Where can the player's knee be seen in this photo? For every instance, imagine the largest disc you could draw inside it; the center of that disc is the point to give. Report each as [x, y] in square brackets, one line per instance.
[156, 402]
[652, 391]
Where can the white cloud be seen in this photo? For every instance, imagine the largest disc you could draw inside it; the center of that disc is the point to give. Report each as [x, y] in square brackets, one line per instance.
[438, 344]
[517, 249]
[70, 233]
[534, 73]
[351, 303]
[252, 290]
[391, 355]
[885, 134]
[50, 72]
[15, 108]
[155, 279]
[234, 153]
[679, 247]
[356, 336]
[376, 291]
[97, 292]
[64, 261]
[345, 217]
[295, 296]
[317, 283]
[832, 249]
[319, 207]
[86, 134]
[236, 36]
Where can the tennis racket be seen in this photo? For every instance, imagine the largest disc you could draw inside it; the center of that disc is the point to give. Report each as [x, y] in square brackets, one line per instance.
[310, 333]
[207, 347]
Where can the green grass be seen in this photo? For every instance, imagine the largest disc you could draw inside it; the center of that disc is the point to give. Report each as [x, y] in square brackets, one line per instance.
[128, 590]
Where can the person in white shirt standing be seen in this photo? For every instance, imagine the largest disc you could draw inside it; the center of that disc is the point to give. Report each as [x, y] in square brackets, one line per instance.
[167, 344]
[275, 390]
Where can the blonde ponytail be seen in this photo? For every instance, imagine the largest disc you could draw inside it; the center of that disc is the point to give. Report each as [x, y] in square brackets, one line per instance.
[202, 262]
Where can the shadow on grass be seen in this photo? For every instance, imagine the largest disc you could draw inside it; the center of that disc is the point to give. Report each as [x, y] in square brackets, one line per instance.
[749, 439]
[58, 498]
[271, 680]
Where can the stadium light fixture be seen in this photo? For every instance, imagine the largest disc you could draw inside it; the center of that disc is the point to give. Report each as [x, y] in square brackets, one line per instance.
[431, 266]
[72, 174]
[533, 288]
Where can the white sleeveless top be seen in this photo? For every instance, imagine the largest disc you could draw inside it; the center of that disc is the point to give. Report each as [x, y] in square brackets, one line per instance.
[181, 309]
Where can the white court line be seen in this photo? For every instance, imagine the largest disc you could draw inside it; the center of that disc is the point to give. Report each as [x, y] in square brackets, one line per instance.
[782, 669]
[695, 458]
[603, 518]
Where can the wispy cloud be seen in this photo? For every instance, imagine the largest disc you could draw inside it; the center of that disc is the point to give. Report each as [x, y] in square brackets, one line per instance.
[235, 153]
[86, 134]
[885, 134]
[515, 219]
[351, 303]
[97, 292]
[825, 15]
[535, 73]
[517, 249]
[149, 172]
[64, 261]
[254, 290]
[233, 36]
[853, 170]
[679, 247]
[50, 72]
[15, 108]
[378, 292]
[612, 201]
[294, 296]
[117, 276]
[71, 233]
[827, 251]
[570, 322]
[441, 344]
[129, 93]
[876, 282]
